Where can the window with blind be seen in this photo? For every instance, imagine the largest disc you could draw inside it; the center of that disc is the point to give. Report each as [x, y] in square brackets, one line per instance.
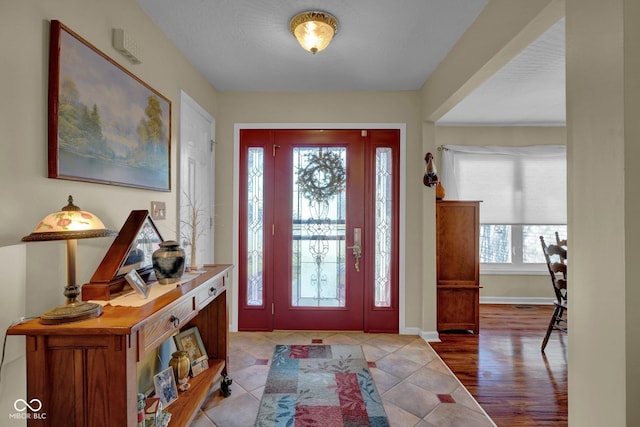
[524, 195]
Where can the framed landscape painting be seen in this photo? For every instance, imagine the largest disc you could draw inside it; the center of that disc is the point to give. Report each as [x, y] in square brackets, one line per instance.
[105, 124]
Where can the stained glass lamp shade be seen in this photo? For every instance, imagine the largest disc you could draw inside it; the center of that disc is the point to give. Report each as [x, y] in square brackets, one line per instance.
[70, 223]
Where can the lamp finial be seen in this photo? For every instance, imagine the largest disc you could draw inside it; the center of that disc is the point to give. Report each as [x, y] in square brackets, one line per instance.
[70, 206]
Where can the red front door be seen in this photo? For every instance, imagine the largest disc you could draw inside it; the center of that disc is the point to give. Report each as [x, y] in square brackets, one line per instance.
[318, 248]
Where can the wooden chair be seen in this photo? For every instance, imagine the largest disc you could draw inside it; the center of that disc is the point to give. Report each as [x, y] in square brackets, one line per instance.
[556, 255]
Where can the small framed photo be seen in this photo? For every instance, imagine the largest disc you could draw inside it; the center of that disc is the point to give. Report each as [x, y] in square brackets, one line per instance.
[198, 366]
[165, 386]
[136, 282]
[190, 341]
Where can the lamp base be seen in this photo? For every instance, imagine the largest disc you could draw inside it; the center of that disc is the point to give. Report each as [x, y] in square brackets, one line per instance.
[72, 312]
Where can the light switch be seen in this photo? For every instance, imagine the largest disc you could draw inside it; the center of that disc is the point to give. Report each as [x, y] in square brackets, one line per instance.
[158, 210]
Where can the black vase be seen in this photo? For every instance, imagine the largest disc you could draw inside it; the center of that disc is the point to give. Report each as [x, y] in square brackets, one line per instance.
[168, 262]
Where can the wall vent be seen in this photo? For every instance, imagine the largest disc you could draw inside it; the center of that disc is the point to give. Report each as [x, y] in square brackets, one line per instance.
[127, 46]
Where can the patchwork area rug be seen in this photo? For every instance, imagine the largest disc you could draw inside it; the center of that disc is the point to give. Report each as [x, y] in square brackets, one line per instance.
[320, 385]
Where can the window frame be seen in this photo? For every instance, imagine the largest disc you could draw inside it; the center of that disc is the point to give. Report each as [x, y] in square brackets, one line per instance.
[517, 266]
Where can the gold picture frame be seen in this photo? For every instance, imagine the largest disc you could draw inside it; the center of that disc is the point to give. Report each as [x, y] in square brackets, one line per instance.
[190, 341]
[105, 124]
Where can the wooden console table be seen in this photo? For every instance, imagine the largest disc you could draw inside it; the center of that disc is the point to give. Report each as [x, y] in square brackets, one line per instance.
[85, 373]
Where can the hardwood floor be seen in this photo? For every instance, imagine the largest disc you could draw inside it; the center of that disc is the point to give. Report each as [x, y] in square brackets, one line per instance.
[504, 369]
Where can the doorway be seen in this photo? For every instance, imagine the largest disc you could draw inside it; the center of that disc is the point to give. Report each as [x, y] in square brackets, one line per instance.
[318, 229]
[197, 159]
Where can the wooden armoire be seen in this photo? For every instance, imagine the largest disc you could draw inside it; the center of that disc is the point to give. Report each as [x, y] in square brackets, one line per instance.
[458, 265]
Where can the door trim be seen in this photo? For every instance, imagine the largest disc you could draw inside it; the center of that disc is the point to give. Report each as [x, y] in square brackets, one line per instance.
[402, 127]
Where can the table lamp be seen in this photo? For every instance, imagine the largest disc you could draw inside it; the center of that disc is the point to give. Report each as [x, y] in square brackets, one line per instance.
[70, 224]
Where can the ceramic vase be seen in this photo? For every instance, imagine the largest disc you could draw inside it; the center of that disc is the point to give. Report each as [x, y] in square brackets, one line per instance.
[440, 192]
[168, 262]
[180, 364]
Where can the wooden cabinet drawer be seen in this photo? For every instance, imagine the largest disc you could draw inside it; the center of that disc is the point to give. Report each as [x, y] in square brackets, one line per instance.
[164, 324]
[210, 290]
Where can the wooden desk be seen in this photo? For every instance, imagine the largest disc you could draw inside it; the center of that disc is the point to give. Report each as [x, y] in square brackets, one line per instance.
[85, 373]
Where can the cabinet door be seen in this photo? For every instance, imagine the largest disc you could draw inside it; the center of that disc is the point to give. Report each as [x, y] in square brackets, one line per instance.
[81, 380]
[458, 237]
[458, 308]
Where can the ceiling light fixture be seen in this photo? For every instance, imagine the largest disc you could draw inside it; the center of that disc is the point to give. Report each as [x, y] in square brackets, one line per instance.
[314, 30]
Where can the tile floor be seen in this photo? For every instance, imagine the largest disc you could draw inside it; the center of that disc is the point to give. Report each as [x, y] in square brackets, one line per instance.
[417, 389]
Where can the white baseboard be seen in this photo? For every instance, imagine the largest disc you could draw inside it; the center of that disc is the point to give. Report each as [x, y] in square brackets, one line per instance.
[517, 300]
[428, 336]
[410, 331]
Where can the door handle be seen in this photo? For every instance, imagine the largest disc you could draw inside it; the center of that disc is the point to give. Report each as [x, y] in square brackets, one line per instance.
[357, 253]
[357, 248]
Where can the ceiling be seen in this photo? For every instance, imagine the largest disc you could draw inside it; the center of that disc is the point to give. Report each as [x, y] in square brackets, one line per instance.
[529, 90]
[246, 45]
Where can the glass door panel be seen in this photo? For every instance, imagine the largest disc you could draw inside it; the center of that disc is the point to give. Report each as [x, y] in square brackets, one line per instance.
[383, 226]
[319, 227]
[255, 226]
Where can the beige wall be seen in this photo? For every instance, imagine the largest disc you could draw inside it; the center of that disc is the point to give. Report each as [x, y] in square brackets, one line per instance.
[13, 386]
[602, 134]
[500, 32]
[27, 194]
[632, 207]
[603, 105]
[508, 287]
[23, 162]
[515, 136]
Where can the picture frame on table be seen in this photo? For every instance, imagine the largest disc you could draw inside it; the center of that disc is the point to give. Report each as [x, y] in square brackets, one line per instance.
[137, 283]
[199, 366]
[105, 124]
[190, 341]
[165, 386]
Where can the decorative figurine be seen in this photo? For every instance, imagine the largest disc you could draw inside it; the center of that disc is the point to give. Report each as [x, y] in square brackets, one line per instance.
[430, 174]
[225, 386]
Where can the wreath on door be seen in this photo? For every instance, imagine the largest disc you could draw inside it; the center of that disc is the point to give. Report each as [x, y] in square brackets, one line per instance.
[323, 177]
